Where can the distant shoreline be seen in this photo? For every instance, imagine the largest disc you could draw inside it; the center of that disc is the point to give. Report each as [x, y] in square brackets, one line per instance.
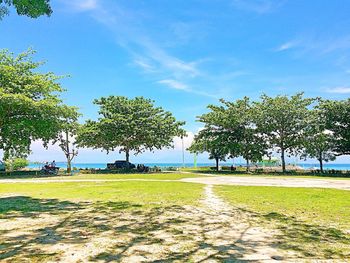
[306, 166]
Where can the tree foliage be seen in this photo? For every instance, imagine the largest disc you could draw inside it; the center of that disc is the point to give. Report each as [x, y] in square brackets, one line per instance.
[337, 116]
[282, 121]
[230, 130]
[30, 8]
[319, 142]
[131, 125]
[30, 105]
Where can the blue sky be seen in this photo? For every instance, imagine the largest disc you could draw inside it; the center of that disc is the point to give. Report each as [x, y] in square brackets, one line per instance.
[187, 54]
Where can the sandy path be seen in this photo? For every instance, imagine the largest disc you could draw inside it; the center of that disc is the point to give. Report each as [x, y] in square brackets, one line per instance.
[216, 180]
[281, 182]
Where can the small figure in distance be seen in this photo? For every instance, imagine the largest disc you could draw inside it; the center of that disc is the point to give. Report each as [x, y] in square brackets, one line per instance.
[53, 164]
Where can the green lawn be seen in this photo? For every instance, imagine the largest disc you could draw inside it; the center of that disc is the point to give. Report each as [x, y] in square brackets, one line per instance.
[314, 222]
[135, 193]
[154, 176]
[241, 172]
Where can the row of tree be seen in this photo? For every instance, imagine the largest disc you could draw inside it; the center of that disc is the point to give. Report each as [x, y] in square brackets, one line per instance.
[31, 109]
[307, 127]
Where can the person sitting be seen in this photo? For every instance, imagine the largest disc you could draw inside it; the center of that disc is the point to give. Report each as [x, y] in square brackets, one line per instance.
[53, 164]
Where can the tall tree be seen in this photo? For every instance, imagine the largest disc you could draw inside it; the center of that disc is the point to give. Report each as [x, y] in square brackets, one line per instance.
[248, 142]
[282, 121]
[209, 141]
[30, 104]
[337, 116]
[232, 126]
[319, 142]
[66, 139]
[33, 8]
[131, 125]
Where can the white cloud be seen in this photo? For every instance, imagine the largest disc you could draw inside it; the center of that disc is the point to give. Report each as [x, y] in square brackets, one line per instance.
[187, 141]
[339, 90]
[81, 5]
[174, 84]
[286, 46]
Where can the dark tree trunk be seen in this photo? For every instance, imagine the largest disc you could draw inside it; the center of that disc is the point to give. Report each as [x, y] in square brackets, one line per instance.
[283, 160]
[248, 169]
[127, 157]
[321, 162]
[69, 163]
[217, 164]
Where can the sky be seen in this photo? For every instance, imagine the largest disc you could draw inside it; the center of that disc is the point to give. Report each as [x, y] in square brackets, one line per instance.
[185, 55]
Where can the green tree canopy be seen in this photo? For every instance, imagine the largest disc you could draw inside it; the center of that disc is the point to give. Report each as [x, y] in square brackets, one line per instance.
[30, 8]
[230, 130]
[131, 125]
[319, 142]
[30, 105]
[282, 121]
[337, 116]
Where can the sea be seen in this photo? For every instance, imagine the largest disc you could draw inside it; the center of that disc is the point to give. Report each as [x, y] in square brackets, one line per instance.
[327, 166]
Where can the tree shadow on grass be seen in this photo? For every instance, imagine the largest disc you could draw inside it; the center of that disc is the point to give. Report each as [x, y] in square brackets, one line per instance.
[41, 223]
[309, 240]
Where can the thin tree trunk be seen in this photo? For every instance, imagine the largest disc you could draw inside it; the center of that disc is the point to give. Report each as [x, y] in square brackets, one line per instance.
[69, 164]
[217, 164]
[283, 161]
[127, 157]
[248, 169]
[321, 162]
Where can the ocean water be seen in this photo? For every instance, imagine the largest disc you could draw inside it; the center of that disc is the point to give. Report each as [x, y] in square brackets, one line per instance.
[327, 166]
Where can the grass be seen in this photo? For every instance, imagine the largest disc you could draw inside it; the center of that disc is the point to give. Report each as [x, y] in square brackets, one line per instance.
[317, 206]
[139, 194]
[241, 172]
[151, 176]
[313, 222]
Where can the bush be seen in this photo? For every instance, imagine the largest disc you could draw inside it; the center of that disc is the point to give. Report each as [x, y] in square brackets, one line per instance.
[16, 164]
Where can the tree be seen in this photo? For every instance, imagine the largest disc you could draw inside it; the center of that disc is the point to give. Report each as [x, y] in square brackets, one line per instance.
[65, 139]
[248, 142]
[319, 141]
[33, 9]
[337, 116]
[208, 141]
[131, 125]
[30, 105]
[230, 128]
[282, 121]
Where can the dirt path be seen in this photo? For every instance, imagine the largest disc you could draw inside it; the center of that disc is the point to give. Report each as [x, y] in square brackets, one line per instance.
[216, 180]
[74, 232]
[264, 181]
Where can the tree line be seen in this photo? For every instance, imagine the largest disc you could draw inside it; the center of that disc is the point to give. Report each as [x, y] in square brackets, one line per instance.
[290, 125]
[31, 109]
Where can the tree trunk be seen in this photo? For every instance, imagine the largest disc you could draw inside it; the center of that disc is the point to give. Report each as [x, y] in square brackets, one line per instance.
[69, 164]
[127, 157]
[283, 161]
[321, 162]
[217, 164]
[247, 165]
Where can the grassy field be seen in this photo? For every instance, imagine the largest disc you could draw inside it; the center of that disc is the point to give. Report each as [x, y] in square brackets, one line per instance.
[242, 172]
[168, 221]
[135, 194]
[151, 176]
[313, 221]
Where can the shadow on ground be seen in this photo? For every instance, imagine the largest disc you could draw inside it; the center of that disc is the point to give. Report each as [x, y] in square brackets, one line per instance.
[40, 230]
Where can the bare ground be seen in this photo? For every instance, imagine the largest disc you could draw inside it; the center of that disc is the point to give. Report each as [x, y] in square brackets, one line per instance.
[70, 232]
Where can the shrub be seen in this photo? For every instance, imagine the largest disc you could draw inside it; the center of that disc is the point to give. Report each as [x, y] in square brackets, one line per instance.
[16, 164]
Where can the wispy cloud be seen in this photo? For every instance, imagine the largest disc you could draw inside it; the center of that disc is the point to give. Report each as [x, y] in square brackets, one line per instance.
[81, 5]
[257, 6]
[174, 84]
[285, 46]
[339, 90]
